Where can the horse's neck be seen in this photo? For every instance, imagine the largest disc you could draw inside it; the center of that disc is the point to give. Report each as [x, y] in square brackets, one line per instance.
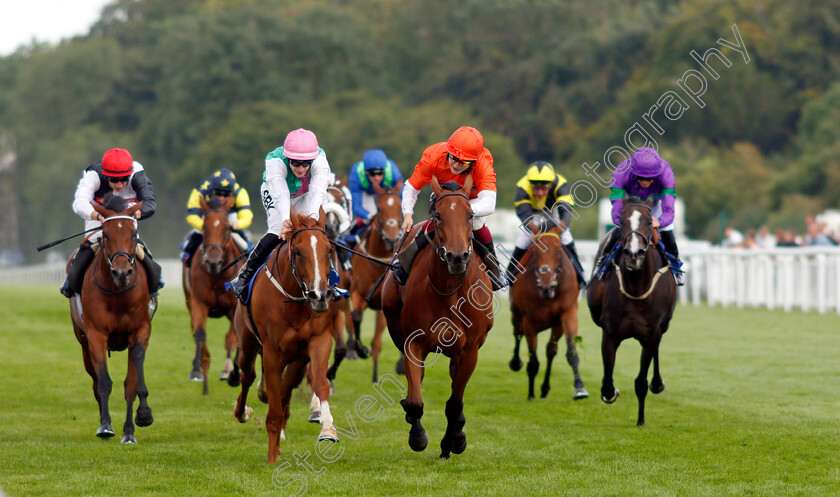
[281, 269]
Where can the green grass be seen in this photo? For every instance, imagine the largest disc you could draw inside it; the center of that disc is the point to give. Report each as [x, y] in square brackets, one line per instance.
[750, 408]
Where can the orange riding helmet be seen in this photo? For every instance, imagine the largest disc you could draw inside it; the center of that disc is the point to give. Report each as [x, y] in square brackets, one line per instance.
[465, 143]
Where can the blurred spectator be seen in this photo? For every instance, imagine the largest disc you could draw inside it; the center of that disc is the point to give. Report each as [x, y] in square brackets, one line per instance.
[732, 237]
[786, 238]
[764, 239]
[749, 241]
[816, 234]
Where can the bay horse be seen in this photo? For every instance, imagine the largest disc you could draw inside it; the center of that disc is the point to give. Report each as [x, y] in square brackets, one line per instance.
[636, 300]
[113, 313]
[378, 241]
[445, 307]
[545, 296]
[204, 285]
[287, 317]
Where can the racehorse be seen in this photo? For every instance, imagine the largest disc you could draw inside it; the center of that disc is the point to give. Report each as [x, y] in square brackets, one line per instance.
[635, 301]
[544, 296]
[445, 307]
[287, 318]
[204, 288]
[113, 313]
[378, 242]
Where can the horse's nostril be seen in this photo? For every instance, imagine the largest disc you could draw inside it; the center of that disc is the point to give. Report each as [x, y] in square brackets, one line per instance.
[311, 295]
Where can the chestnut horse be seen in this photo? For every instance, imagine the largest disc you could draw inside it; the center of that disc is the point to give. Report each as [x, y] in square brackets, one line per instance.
[286, 317]
[445, 307]
[115, 315]
[204, 285]
[378, 242]
[636, 300]
[544, 296]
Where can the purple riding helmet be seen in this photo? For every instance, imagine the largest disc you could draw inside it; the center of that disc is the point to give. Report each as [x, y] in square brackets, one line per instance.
[644, 163]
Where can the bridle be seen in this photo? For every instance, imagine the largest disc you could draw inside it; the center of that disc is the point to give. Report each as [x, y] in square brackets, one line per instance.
[646, 239]
[378, 224]
[110, 258]
[440, 248]
[546, 269]
[304, 289]
[222, 247]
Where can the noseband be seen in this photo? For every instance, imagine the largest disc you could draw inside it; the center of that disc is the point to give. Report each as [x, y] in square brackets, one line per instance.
[440, 248]
[110, 258]
[646, 239]
[220, 246]
[379, 225]
[301, 285]
[547, 269]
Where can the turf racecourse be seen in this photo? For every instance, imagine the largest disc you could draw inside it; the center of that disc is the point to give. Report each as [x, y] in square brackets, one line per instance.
[750, 408]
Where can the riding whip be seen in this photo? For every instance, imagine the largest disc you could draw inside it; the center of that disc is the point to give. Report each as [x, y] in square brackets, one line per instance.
[42, 247]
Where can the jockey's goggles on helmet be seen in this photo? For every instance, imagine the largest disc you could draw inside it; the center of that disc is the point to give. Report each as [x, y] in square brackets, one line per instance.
[376, 172]
[462, 161]
[121, 179]
[300, 163]
[222, 193]
[540, 184]
[640, 178]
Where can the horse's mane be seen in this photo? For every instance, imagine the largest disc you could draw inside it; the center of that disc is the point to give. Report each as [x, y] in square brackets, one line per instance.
[632, 199]
[452, 186]
[114, 202]
[215, 202]
[307, 221]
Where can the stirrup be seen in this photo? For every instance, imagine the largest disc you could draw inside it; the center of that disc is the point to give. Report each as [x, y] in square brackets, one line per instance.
[400, 275]
[65, 289]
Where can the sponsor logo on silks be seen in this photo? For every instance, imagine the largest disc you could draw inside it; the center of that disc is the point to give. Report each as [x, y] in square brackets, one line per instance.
[267, 201]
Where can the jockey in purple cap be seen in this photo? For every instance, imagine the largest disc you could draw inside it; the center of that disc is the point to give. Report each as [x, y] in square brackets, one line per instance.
[645, 174]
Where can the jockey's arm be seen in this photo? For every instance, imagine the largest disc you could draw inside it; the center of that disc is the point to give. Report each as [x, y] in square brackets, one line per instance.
[616, 197]
[275, 179]
[319, 180]
[562, 204]
[522, 204]
[409, 200]
[194, 210]
[357, 194]
[85, 191]
[242, 206]
[484, 204]
[145, 193]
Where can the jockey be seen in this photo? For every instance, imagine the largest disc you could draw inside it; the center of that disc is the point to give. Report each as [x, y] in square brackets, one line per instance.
[643, 175]
[221, 183]
[375, 166]
[296, 175]
[121, 175]
[453, 160]
[538, 194]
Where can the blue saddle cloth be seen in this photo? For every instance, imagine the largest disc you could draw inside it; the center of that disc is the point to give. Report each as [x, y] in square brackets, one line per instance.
[335, 279]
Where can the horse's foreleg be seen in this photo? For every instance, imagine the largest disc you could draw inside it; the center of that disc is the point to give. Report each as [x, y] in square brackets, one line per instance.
[641, 383]
[88, 364]
[570, 322]
[130, 387]
[376, 344]
[460, 370]
[198, 320]
[319, 353]
[292, 376]
[550, 352]
[230, 346]
[248, 349]
[609, 345]
[97, 342]
[413, 402]
[515, 362]
[533, 362]
[656, 383]
[340, 347]
[273, 366]
[359, 306]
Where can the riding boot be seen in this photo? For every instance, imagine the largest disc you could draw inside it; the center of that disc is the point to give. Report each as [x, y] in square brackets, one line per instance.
[188, 247]
[514, 265]
[488, 255]
[405, 259]
[260, 253]
[673, 255]
[76, 272]
[154, 273]
[598, 271]
[572, 253]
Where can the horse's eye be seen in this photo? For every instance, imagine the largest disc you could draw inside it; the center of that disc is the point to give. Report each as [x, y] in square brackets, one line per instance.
[296, 252]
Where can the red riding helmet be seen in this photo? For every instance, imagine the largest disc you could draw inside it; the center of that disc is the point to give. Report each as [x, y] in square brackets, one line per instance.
[465, 143]
[117, 162]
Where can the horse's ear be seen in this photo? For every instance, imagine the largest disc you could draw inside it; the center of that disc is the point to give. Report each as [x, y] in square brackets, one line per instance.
[134, 208]
[294, 218]
[98, 208]
[534, 228]
[322, 217]
[397, 189]
[202, 203]
[468, 184]
[377, 188]
[436, 187]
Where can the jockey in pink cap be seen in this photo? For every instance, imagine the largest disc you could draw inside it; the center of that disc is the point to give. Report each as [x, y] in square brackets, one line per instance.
[296, 175]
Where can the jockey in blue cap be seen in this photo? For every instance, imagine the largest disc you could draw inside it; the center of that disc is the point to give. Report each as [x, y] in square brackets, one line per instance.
[645, 174]
[376, 167]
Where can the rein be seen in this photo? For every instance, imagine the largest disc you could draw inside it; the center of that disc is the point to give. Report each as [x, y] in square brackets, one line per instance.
[440, 250]
[368, 257]
[301, 284]
[110, 259]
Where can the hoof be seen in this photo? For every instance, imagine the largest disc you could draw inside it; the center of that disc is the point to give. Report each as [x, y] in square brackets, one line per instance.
[351, 354]
[233, 380]
[263, 396]
[581, 393]
[363, 351]
[657, 387]
[246, 415]
[226, 370]
[515, 364]
[128, 440]
[196, 376]
[105, 431]
[459, 443]
[544, 392]
[144, 417]
[328, 434]
[610, 401]
[315, 417]
[418, 443]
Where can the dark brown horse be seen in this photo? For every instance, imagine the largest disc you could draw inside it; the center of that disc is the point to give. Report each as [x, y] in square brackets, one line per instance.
[635, 301]
[378, 241]
[287, 318]
[545, 296]
[115, 315]
[204, 285]
[445, 307]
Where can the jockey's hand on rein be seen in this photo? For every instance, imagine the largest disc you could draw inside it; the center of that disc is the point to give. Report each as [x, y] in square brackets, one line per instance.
[408, 223]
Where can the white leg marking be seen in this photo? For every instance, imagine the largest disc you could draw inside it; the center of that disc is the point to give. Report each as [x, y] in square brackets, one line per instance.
[326, 415]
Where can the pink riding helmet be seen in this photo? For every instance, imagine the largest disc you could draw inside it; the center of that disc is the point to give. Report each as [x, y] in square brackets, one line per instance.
[301, 144]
